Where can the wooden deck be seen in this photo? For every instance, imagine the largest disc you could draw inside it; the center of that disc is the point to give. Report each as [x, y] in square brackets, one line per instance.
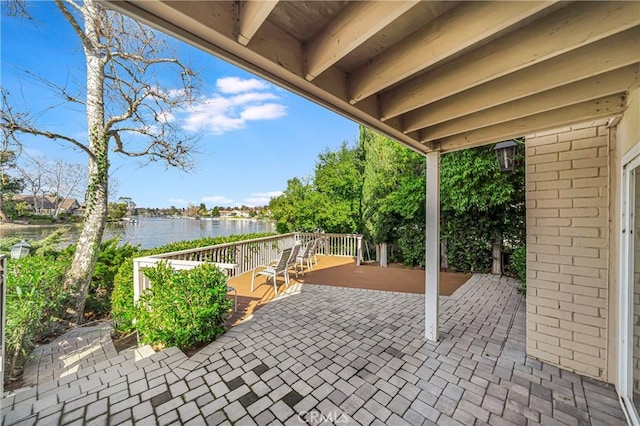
[339, 272]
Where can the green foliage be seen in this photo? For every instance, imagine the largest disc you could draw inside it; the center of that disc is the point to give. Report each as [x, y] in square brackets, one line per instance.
[48, 246]
[123, 311]
[183, 308]
[518, 266]
[35, 296]
[116, 211]
[478, 205]
[331, 201]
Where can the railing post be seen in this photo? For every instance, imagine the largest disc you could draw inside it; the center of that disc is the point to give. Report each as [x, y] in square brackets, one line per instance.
[3, 296]
[358, 250]
[136, 280]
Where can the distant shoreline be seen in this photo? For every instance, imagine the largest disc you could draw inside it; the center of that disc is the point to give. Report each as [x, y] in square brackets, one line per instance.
[4, 225]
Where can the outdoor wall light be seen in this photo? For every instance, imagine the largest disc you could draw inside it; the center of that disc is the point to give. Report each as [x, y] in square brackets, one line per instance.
[20, 250]
[506, 155]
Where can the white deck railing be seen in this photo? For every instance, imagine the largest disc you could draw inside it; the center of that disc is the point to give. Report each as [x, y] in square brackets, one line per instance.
[243, 256]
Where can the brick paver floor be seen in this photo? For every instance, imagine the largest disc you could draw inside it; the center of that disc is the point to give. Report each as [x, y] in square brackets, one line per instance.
[337, 355]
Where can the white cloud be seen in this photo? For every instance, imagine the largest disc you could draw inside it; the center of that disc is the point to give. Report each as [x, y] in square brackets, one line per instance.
[237, 103]
[238, 85]
[261, 198]
[178, 201]
[216, 199]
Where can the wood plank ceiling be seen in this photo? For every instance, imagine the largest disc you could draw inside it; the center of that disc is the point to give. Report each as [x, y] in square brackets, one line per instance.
[434, 75]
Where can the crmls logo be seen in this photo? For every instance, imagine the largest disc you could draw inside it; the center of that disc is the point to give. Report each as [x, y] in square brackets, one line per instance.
[316, 417]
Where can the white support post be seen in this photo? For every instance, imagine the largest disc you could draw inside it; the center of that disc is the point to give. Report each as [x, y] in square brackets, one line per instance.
[136, 280]
[358, 250]
[432, 246]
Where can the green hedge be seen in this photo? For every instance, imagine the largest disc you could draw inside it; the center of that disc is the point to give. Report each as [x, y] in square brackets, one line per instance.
[518, 265]
[35, 297]
[183, 308]
[122, 309]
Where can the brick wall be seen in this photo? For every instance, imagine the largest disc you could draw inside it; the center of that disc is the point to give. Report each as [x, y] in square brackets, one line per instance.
[567, 247]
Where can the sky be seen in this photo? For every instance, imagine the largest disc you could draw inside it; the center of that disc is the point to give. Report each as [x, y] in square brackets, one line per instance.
[254, 135]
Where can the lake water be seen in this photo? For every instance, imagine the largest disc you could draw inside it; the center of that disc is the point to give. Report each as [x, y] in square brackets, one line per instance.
[154, 231]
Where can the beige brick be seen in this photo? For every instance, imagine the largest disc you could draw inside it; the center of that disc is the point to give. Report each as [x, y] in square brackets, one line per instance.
[590, 301]
[560, 260]
[541, 319]
[555, 203]
[580, 212]
[549, 167]
[603, 151]
[591, 202]
[544, 176]
[544, 230]
[580, 270]
[590, 281]
[590, 242]
[578, 154]
[544, 212]
[555, 295]
[543, 356]
[579, 173]
[556, 147]
[555, 331]
[548, 285]
[591, 162]
[543, 302]
[553, 222]
[579, 367]
[579, 232]
[546, 158]
[579, 193]
[543, 338]
[588, 339]
[590, 143]
[589, 132]
[555, 349]
[542, 195]
[531, 204]
[553, 313]
[599, 262]
[555, 184]
[599, 222]
[539, 141]
[579, 289]
[547, 267]
[590, 320]
[589, 182]
[589, 360]
[580, 347]
[559, 278]
[579, 251]
[561, 241]
[573, 307]
[580, 328]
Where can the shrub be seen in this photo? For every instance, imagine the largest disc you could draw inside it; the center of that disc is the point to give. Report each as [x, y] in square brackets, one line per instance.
[35, 296]
[518, 265]
[183, 308]
[122, 309]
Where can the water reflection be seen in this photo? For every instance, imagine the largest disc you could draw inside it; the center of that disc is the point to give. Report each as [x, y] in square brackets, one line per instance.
[153, 232]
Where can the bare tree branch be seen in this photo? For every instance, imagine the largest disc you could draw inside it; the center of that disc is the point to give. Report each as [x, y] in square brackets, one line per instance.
[73, 22]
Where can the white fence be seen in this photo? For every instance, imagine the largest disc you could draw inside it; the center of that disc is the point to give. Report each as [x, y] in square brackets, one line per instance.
[243, 256]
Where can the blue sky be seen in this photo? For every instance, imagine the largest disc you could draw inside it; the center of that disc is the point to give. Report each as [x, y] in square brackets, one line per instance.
[255, 136]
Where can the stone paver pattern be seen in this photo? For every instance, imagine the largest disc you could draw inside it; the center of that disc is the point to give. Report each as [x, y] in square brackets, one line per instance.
[322, 355]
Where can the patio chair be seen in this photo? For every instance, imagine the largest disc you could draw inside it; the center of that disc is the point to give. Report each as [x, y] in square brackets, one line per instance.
[314, 251]
[307, 256]
[273, 269]
[293, 259]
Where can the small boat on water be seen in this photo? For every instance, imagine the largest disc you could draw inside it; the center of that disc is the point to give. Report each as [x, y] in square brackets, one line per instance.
[130, 219]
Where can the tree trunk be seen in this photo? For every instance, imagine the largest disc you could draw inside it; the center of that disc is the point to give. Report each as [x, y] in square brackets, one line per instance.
[4, 218]
[88, 246]
[496, 266]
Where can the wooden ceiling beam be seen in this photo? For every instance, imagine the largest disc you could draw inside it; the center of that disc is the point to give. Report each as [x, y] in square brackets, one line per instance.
[272, 54]
[571, 27]
[253, 13]
[355, 24]
[613, 82]
[585, 111]
[614, 52]
[458, 29]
